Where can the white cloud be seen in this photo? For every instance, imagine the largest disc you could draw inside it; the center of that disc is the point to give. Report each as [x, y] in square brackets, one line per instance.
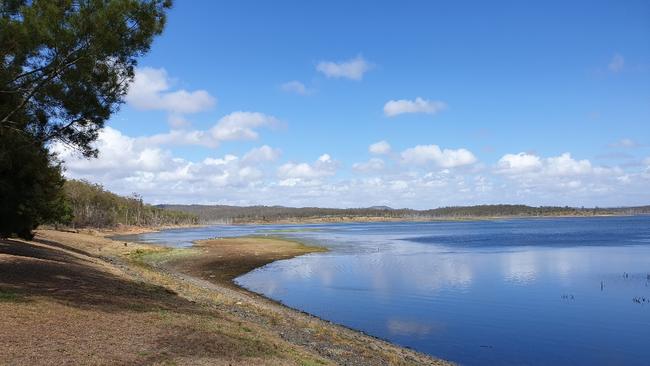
[240, 125]
[150, 90]
[616, 64]
[129, 164]
[182, 137]
[220, 161]
[563, 178]
[625, 179]
[296, 87]
[562, 165]
[447, 158]
[518, 163]
[182, 101]
[393, 108]
[146, 87]
[351, 69]
[234, 126]
[323, 167]
[261, 154]
[137, 164]
[566, 165]
[117, 155]
[380, 148]
[398, 185]
[372, 165]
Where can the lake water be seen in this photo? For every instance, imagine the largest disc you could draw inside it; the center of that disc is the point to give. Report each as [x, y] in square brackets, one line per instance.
[568, 291]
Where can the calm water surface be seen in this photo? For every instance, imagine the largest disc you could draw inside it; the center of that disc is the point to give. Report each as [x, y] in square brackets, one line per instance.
[527, 292]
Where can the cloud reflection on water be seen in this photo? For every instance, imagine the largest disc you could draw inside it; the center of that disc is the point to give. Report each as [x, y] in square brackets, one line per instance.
[411, 328]
[477, 286]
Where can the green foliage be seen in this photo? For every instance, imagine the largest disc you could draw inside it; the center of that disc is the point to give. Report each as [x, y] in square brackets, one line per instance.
[31, 186]
[93, 206]
[8, 296]
[66, 64]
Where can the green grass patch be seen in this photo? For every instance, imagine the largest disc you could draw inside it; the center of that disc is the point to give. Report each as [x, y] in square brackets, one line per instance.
[306, 247]
[8, 296]
[158, 256]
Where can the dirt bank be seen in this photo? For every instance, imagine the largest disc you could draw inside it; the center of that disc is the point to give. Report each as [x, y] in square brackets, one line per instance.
[222, 260]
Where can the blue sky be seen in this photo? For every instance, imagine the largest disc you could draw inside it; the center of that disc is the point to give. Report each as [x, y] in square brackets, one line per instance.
[479, 102]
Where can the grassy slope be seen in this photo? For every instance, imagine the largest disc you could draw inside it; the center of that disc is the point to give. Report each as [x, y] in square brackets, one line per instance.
[80, 299]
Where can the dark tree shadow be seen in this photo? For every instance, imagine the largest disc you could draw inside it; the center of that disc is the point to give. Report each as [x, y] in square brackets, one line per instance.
[188, 341]
[30, 271]
[62, 246]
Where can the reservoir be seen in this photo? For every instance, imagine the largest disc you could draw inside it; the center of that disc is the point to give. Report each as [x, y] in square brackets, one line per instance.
[560, 291]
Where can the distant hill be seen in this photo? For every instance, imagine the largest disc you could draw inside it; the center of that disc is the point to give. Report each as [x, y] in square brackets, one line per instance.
[270, 214]
[380, 208]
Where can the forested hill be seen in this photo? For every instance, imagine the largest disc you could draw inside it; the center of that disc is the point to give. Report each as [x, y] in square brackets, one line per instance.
[93, 206]
[237, 214]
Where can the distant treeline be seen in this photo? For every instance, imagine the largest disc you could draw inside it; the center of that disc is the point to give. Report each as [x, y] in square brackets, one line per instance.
[236, 214]
[93, 206]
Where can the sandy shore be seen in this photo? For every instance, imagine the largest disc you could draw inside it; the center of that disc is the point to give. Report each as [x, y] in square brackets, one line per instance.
[222, 260]
[71, 298]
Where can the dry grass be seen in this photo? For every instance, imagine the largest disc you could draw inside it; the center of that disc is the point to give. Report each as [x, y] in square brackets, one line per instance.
[59, 306]
[71, 299]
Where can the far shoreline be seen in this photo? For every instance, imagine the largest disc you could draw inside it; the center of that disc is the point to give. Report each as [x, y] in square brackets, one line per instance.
[377, 219]
[124, 230]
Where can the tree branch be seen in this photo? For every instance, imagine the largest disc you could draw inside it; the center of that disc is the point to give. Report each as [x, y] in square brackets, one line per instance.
[8, 126]
[32, 71]
[29, 96]
[57, 132]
